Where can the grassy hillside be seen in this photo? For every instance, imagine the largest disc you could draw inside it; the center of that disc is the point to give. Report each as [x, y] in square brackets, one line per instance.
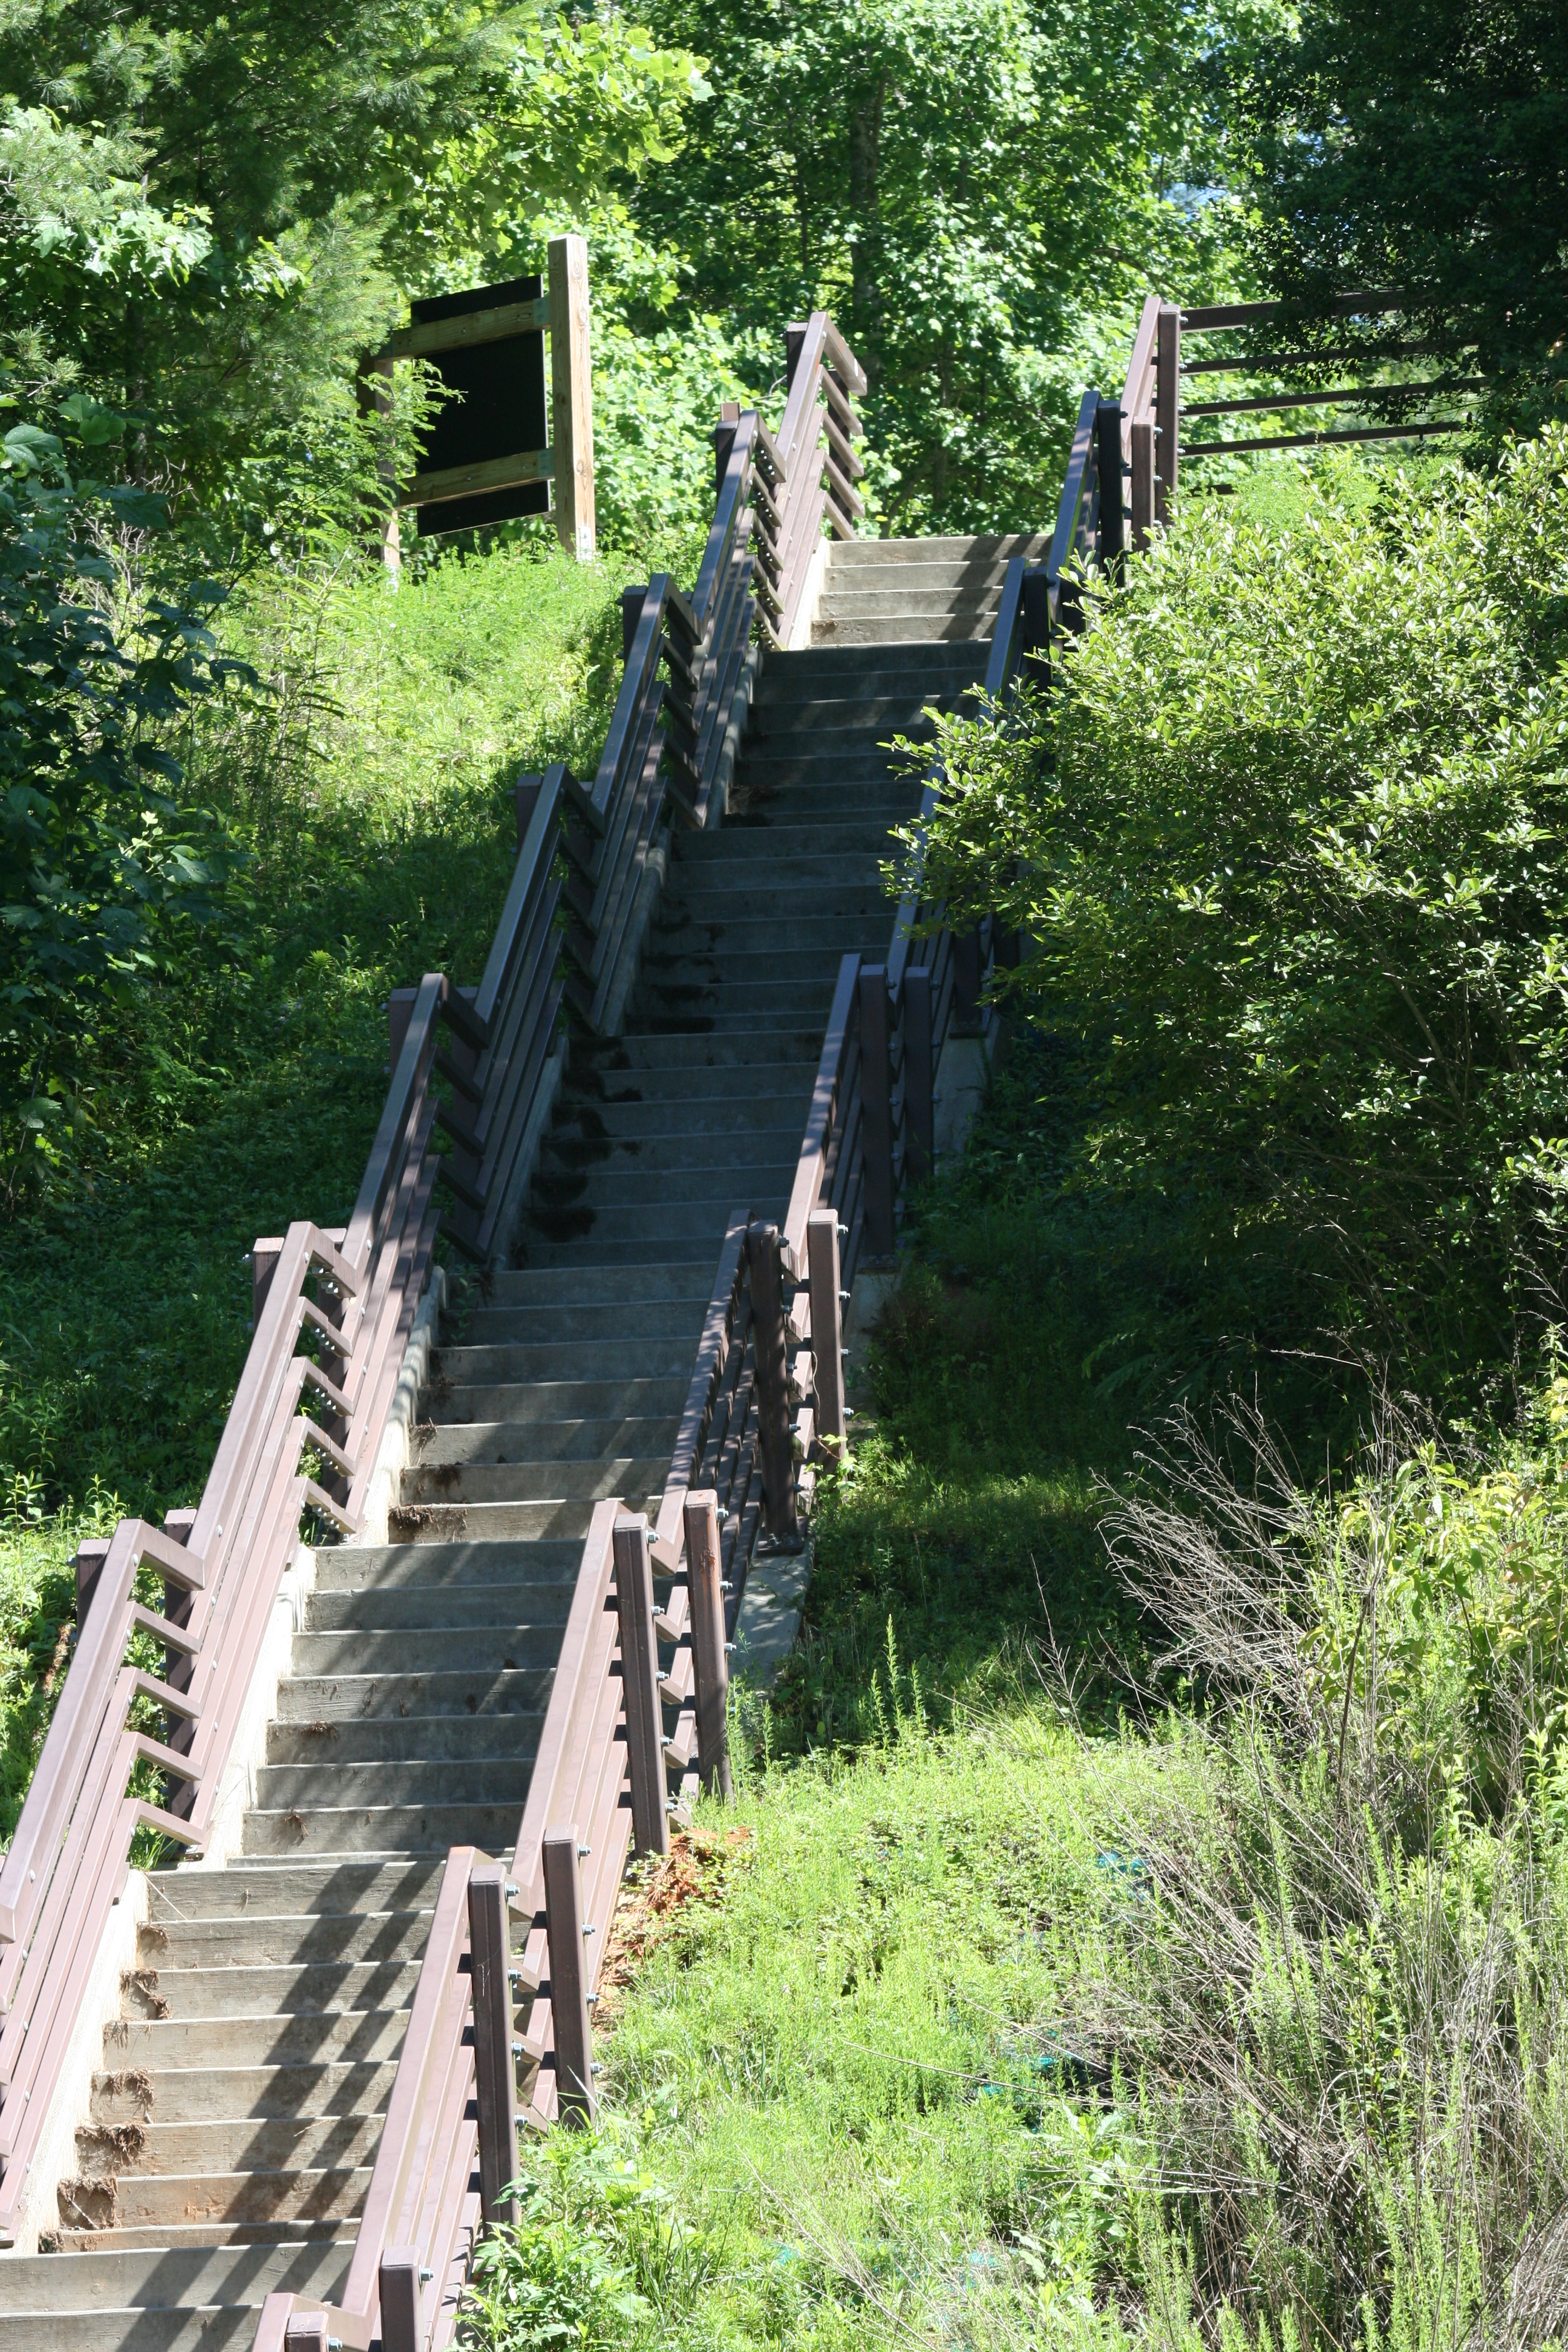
[370, 778]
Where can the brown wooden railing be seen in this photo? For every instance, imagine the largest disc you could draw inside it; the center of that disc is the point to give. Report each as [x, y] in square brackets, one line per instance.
[639, 1693]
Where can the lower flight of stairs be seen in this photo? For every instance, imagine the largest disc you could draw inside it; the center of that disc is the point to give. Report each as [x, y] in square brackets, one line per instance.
[235, 2119]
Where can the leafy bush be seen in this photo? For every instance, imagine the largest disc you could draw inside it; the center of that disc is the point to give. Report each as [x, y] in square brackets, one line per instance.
[1289, 843]
[106, 871]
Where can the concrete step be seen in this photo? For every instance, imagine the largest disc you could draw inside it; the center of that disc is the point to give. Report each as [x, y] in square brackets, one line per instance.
[509, 1482]
[282, 1988]
[462, 1690]
[533, 1248]
[186, 2201]
[489, 1523]
[789, 852]
[548, 1441]
[357, 1568]
[407, 1651]
[672, 1161]
[736, 1003]
[746, 896]
[564, 1399]
[688, 1279]
[180, 2235]
[218, 2094]
[632, 1183]
[809, 935]
[787, 1050]
[772, 1115]
[813, 677]
[291, 1939]
[857, 555]
[263, 2039]
[244, 2143]
[905, 628]
[839, 723]
[689, 1081]
[413, 1829]
[684, 1219]
[440, 1608]
[194, 1892]
[418, 1781]
[535, 1325]
[668, 1359]
[412, 1738]
[200, 2277]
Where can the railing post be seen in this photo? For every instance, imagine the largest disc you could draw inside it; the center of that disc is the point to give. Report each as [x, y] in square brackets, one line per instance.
[1167, 414]
[495, 2069]
[1036, 629]
[399, 2301]
[724, 440]
[794, 338]
[704, 1578]
[564, 1925]
[90, 1556]
[920, 1074]
[639, 1679]
[632, 601]
[525, 799]
[1142, 438]
[572, 395]
[968, 975]
[876, 1110]
[773, 1385]
[827, 1320]
[1112, 506]
[306, 2331]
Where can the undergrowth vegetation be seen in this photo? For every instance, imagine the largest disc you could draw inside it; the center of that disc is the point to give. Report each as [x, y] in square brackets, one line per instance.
[367, 782]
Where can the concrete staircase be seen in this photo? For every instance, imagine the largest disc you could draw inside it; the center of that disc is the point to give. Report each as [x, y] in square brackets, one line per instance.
[238, 2114]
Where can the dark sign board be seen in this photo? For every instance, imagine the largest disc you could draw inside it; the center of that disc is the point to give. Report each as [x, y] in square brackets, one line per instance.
[500, 414]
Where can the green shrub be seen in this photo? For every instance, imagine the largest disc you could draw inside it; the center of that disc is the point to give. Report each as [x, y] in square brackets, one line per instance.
[1289, 843]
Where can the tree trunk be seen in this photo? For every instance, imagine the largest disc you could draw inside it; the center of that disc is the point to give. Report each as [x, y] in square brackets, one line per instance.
[865, 164]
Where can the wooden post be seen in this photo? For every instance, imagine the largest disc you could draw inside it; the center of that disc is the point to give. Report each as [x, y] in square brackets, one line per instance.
[306, 2331]
[1142, 439]
[90, 1556]
[704, 1577]
[920, 1074]
[877, 1111]
[639, 1679]
[525, 799]
[827, 1319]
[1167, 414]
[373, 392]
[269, 1248]
[1036, 629]
[1112, 498]
[968, 975]
[632, 601]
[794, 339]
[724, 440]
[495, 2070]
[571, 396]
[399, 2301]
[772, 1386]
[564, 1925]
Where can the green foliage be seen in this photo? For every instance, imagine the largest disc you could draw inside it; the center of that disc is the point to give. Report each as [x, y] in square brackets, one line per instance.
[106, 871]
[1420, 144]
[1287, 843]
[978, 192]
[208, 219]
[371, 787]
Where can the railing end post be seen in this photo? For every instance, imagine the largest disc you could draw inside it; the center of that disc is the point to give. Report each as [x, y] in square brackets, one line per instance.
[640, 1680]
[401, 2301]
[704, 1570]
[566, 1930]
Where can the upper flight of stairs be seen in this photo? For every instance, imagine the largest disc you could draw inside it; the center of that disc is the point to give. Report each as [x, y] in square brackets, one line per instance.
[238, 2114]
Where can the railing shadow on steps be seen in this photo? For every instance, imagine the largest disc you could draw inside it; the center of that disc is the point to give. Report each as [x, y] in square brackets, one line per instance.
[334, 1308]
[599, 1786]
[640, 1695]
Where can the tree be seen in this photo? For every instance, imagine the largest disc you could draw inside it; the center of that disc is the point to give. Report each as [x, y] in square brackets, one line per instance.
[979, 190]
[206, 219]
[1423, 144]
